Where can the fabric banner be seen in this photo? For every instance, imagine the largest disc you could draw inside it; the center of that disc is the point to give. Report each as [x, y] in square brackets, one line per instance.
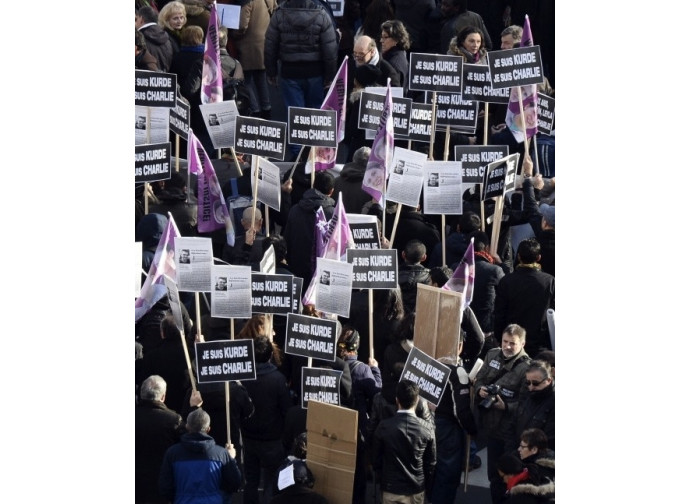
[212, 76]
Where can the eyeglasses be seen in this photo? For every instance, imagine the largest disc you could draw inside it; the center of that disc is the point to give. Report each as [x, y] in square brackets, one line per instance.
[359, 55]
[534, 383]
[523, 447]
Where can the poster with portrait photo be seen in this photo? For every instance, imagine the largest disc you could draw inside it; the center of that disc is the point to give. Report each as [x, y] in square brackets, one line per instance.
[151, 125]
[219, 119]
[268, 188]
[231, 295]
[443, 187]
[193, 261]
[334, 286]
[407, 177]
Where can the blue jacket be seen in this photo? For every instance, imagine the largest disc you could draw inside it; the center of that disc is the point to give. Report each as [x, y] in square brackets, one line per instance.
[198, 471]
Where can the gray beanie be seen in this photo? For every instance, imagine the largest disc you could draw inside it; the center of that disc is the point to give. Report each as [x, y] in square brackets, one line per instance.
[549, 214]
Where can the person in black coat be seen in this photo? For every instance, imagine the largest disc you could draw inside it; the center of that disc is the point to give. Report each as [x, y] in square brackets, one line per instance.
[413, 225]
[349, 181]
[157, 40]
[395, 42]
[524, 296]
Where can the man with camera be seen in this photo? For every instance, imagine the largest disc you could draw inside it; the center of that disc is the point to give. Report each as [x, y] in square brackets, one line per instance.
[499, 384]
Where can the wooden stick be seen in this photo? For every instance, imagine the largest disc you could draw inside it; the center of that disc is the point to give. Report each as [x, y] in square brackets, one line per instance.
[177, 153]
[468, 440]
[536, 155]
[294, 165]
[443, 239]
[267, 224]
[433, 125]
[232, 328]
[312, 156]
[197, 305]
[486, 123]
[446, 144]
[189, 362]
[481, 214]
[227, 409]
[255, 185]
[496, 226]
[146, 198]
[371, 323]
[237, 163]
[395, 223]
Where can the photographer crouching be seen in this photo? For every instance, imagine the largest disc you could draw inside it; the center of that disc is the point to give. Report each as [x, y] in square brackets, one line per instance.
[499, 383]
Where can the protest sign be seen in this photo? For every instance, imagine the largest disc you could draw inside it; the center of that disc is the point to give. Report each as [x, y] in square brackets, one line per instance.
[193, 261]
[499, 177]
[420, 123]
[332, 440]
[333, 287]
[365, 231]
[315, 127]
[320, 385]
[338, 7]
[476, 85]
[452, 110]
[443, 187]
[225, 360]
[374, 269]
[155, 89]
[268, 184]
[407, 177]
[370, 109]
[435, 72]
[231, 295]
[179, 118]
[219, 119]
[515, 67]
[229, 15]
[474, 159]
[429, 374]
[151, 125]
[271, 293]
[152, 162]
[437, 324]
[545, 111]
[259, 137]
[311, 337]
[297, 284]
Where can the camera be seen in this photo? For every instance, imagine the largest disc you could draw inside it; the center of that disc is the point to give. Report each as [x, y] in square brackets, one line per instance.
[489, 400]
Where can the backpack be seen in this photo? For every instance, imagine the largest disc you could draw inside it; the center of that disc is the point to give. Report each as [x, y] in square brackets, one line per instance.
[236, 89]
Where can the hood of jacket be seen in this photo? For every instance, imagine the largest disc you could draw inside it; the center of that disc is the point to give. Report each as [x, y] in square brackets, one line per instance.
[353, 172]
[156, 35]
[313, 199]
[197, 442]
[150, 229]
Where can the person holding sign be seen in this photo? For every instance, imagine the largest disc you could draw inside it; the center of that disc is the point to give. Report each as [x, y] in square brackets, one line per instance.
[405, 450]
[469, 44]
[395, 42]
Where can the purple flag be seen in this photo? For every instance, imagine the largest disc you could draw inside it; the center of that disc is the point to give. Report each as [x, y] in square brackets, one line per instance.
[336, 99]
[381, 155]
[338, 239]
[212, 76]
[463, 276]
[163, 264]
[320, 232]
[212, 211]
[514, 121]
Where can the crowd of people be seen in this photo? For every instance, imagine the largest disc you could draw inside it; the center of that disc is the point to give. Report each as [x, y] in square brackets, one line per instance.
[413, 450]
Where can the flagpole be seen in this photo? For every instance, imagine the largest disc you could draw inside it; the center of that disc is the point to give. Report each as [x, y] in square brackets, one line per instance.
[524, 125]
[371, 322]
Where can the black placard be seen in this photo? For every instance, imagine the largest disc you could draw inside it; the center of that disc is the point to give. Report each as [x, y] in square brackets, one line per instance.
[311, 337]
[420, 123]
[545, 113]
[320, 385]
[515, 67]
[179, 118]
[476, 85]
[499, 177]
[297, 284]
[429, 374]
[475, 158]
[435, 72]
[225, 360]
[155, 89]
[365, 235]
[370, 109]
[152, 162]
[259, 137]
[271, 293]
[374, 269]
[452, 110]
[313, 127]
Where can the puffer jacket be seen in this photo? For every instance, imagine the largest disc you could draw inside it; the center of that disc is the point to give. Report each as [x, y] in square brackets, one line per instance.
[302, 37]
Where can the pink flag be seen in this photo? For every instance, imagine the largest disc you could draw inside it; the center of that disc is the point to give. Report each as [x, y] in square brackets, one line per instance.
[212, 211]
[463, 276]
[163, 264]
[338, 239]
[212, 76]
[381, 155]
[336, 99]
[320, 231]
[529, 99]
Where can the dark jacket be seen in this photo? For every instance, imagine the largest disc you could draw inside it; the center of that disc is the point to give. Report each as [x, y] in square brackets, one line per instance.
[536, 489]
[156, 428]
[537, 410]
[349, 183]
[510, 375]
[397, 58]
[185, 214]
[271, 399]
[298, 494]
[523, 297]
[146, 61]
[366, 383]
[158, 44]
[456, 246]
[413, 225]
[299, 231]
[455, 401]
[409, 275]
[197, 470]
[405, 454]
[301, 35]
[486, 279]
